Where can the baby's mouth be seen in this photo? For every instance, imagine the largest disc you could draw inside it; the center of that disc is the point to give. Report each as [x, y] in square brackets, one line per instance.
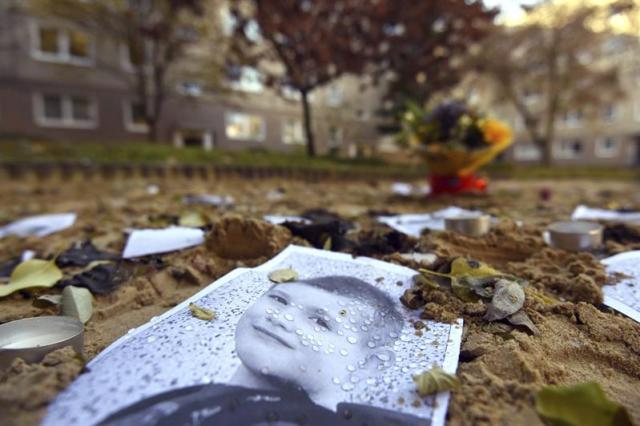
[273, 336]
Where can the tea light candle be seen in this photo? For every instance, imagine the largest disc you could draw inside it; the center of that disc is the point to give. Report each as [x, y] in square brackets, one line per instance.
[32, 338]
[471, 225]
[574, 235]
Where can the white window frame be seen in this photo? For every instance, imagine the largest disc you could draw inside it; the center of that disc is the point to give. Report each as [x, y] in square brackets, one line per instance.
[129, 125]
[602, 151]
[564, 149]
[263, 126]
[526, 152]
[572, 119]
[67, 121]
[615, 113]
[250, 81]
[295, 122]
[64, 55]
[334, 96]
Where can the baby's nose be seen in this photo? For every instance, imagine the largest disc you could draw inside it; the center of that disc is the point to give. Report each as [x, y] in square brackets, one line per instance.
[277, 322]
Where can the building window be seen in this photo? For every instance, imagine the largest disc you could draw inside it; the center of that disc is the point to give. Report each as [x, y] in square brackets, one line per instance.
[241, 126]
[526, 152]
[72, 111]
[62, 45]
[334, 96]
[245, 79]
[607, 147]
[610, 113]
[50, 41]
[335, 137]
[190, 88]
[292, 132]
[193, 139]
[567, 149]
[572, 118]
[135, 117]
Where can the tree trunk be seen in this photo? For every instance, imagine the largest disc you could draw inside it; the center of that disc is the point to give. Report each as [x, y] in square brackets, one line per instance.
[308, 131]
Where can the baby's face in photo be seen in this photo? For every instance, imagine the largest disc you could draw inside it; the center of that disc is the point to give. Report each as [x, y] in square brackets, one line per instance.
[297, 331]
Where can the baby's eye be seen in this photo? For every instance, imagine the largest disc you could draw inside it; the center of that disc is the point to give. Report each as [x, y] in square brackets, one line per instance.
[278, 299]
[321, 322]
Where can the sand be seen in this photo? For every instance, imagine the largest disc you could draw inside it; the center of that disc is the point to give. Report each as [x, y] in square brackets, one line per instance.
[501, 366]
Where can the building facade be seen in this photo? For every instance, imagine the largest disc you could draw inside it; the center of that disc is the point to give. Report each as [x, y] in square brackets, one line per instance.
[61, 84]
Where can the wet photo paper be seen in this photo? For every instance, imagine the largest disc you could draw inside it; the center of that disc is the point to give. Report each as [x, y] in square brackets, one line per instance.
[333, 346]
[624, 296]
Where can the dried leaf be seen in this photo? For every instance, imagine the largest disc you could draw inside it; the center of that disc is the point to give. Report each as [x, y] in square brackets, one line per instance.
[507, 299]
[192, 219]
[77, 302]
[47, 300]
[522, 319]
[82, 255]
[584, 404]
[461, 266]
[434, 381]
[32, 273]
[201, 313]
[423, 281]
[283, 275]
[100, 279]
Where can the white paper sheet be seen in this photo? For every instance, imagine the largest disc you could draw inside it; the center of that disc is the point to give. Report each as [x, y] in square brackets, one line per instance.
[176, 350]
[143, 242]
[414, 224]
[39, 226]
[625, 295]
[212, 200]
[583, 212]
[406, 189]
[277, 220]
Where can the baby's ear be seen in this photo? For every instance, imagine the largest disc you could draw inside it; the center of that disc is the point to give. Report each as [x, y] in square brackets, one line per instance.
[380, 357]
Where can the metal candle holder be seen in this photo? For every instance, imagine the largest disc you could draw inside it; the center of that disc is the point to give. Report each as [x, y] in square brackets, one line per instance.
[32, 338]
[473, 226]
[574, 235]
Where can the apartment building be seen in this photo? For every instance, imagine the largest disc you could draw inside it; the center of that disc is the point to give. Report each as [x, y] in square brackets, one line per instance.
[61, 84]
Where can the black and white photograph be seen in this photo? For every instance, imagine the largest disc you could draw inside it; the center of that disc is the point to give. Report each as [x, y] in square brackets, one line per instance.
[334, 345]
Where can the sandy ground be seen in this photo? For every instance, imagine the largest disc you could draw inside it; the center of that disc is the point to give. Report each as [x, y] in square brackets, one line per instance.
[501, 367]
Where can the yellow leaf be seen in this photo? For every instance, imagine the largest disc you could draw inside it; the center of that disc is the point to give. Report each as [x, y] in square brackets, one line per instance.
[584, 404]
[201, 313]
[192, 219]
[283, 275]
[77, 302]
[30, 274]
[434, 381]
[461, 267]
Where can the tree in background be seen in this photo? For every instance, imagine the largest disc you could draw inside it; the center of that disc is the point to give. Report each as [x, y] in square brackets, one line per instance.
[156, 32]
[425, 44]
[303, 45]
[553, 64]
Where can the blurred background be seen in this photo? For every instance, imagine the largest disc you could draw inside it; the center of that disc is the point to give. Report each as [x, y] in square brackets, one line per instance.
[325, 82]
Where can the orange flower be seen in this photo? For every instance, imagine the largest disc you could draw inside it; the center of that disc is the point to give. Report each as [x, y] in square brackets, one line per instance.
[495, 132]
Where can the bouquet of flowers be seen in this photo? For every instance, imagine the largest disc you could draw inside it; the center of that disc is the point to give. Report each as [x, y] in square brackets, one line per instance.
[454, 140]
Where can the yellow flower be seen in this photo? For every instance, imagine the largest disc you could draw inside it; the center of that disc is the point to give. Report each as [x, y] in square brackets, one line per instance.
[495, 132]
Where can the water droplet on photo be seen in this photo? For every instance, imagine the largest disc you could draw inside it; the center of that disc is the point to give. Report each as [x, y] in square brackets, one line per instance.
[189, 328]
[315, 348]
[305, 343]
[303, 368]
[383, 357]
[336, 380]
[264, 370]
[393, 334]
[364, 328]
[371, 344]
[269, 311]
[288, 317]
[338, 320]
[351, 368]
[340, 333]
[354, 379]
[347, 387]
[299, 332]
[151, 339]
[343, 352]
[351, 339]
[206, 379]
